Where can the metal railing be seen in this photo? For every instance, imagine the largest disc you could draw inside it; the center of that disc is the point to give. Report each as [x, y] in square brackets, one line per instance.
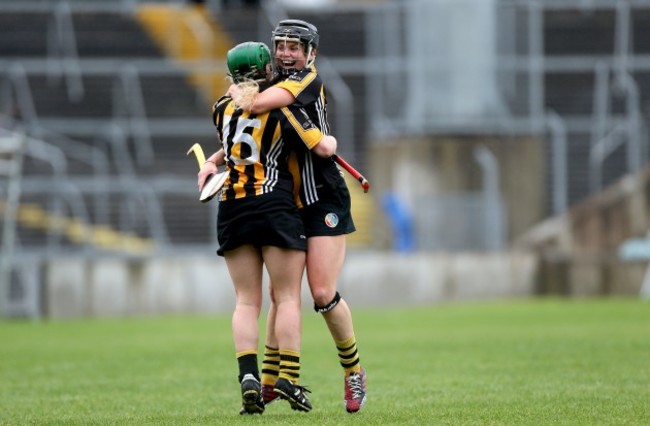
[62, 54]
[18, 102]
[627, 130]
[559, 160]
[12, 147]
[128, 104]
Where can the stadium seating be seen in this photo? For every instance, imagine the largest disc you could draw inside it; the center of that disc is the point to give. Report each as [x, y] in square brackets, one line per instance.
[106, 44]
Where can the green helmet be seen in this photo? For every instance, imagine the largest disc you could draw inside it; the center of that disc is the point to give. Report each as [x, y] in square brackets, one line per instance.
[248, 60]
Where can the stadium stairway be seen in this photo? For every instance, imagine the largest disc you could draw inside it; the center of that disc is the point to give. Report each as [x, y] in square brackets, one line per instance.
[195, 36]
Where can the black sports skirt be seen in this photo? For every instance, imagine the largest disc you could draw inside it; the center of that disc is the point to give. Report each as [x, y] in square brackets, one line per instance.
[270, 219]
[330, 215]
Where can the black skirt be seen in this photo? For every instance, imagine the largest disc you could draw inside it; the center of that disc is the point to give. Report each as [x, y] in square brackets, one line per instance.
[270, 219]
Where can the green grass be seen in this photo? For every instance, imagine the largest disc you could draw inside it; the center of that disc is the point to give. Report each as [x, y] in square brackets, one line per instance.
[519, 362]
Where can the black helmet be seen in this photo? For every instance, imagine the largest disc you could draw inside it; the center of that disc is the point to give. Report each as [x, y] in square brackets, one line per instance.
[297, 30]
[248, 60]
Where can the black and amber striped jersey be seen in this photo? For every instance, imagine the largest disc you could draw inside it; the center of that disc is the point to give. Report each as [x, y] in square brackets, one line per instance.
[307, 87]
[257, 147]
[314, 175]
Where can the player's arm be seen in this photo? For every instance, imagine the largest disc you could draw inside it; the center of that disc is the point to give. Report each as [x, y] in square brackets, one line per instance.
[319, 143]
[218, 158]
[256, 102]
[210, 167]
[326, 147]
[282, 94]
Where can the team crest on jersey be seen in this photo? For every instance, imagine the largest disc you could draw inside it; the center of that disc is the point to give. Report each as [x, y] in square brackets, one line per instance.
[331, 220]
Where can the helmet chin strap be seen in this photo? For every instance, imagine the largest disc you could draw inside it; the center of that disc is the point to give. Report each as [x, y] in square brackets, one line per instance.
[309, 61]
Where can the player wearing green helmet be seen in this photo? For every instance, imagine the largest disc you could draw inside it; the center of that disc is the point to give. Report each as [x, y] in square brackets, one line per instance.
[249, 61]
[258, 223]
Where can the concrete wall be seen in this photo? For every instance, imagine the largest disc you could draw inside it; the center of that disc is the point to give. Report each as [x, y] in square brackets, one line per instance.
[590, 275]
[74, 287]
[580, 250]
[431, 167]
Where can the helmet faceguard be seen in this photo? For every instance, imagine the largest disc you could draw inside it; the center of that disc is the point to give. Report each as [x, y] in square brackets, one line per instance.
[299, 31]
[249, 61]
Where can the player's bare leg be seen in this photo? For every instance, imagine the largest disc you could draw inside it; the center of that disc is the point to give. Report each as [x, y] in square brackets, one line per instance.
[285, 268]
[245, 267]
[325, 256]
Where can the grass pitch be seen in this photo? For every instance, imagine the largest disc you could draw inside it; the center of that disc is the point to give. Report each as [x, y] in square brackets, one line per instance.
[545, 361]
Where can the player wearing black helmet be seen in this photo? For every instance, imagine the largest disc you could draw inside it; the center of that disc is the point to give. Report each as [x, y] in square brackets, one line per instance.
[324, 202]
[301, 32]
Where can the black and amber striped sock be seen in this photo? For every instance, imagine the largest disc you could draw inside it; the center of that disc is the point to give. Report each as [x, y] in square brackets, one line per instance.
[348, 355]
[270, 366]
[289, 365]
[247, 361]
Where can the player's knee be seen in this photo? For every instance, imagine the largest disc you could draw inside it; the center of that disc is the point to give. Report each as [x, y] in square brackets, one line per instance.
[322, 295]
[328, 306]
